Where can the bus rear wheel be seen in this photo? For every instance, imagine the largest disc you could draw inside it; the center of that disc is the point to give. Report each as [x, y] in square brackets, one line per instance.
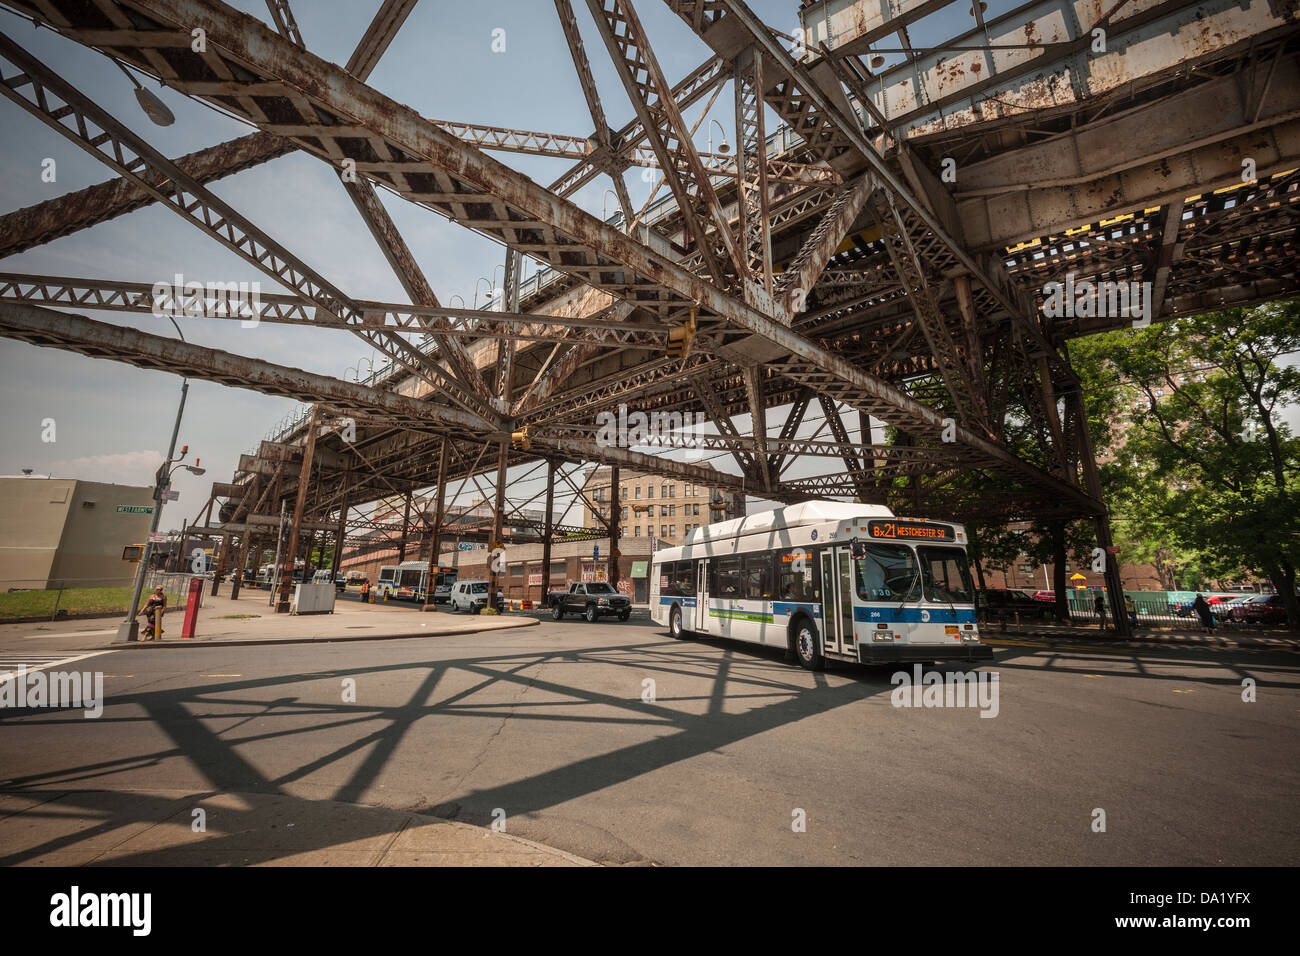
[806, 649]
[675, 622]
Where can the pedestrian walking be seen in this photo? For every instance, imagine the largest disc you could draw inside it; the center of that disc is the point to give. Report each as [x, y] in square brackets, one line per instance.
[1131, 608]
[1202, 609]
[1099, 605]
[153, 614]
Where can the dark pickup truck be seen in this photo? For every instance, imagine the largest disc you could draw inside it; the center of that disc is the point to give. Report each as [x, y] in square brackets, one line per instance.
[592, 599]
[1008, 602]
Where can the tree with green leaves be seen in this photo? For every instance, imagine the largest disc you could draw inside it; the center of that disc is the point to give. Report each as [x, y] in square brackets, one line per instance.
[1205, 471]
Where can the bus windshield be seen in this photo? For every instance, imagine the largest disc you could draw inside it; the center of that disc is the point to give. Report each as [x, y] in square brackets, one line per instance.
[946, 575]
[888, 573]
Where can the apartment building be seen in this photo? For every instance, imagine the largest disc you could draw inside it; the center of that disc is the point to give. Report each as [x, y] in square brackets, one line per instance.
[650, 506]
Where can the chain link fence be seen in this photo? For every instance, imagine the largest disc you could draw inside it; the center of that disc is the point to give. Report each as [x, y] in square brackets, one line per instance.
[22, 600]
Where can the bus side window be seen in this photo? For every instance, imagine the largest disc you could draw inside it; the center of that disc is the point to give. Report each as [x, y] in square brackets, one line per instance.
[794, 581]
[686, 578]
[758, 576]
[729, 579]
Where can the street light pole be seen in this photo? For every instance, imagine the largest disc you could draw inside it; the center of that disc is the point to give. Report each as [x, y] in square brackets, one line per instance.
[129, 630]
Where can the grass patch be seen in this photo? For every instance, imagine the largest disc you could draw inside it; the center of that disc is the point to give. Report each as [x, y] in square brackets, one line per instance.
[84, 602]
[21, 604]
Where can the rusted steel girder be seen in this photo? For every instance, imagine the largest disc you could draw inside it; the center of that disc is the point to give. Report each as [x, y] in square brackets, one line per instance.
[648, 89]
[599, 329]
[46, 221]
[804, 270]
[116, 146]
[564, 9]
[77, 333]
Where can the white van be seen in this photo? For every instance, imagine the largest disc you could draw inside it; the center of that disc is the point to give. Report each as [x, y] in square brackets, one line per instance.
[471, 596]
[387, 582]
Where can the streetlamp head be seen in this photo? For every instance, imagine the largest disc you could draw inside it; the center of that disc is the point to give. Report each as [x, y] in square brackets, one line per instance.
[724, 147]
[195, 471]
[154, 108]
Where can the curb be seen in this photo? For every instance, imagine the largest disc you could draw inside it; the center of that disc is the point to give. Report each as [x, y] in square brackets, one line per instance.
[342, 639]
[1269, 644]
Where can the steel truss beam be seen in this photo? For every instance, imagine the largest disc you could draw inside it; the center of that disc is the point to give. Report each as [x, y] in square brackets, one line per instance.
[648, 89]
[76, 333]
[35, 86]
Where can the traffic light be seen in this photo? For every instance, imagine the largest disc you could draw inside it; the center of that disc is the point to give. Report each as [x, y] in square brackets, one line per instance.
[519, 440]
[680, 338]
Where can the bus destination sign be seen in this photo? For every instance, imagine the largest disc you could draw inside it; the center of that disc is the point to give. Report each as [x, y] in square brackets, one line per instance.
[910, 530]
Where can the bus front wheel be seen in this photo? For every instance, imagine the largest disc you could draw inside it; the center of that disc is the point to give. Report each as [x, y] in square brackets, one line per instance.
[806, 649]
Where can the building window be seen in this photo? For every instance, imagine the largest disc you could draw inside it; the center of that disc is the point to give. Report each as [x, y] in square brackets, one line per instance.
[663, 531]
[638, 492]
[624, 515]
[695, 510]
[672, 491]
[663, 491]
[636, 532]
[672, 531]
[650, 491]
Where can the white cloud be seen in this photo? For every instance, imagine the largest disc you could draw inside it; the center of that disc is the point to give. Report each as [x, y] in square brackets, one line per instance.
[124, 468]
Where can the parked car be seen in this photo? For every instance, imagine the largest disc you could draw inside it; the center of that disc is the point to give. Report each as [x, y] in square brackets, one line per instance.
[1184, 609]
[1048, 596]
[1007, 602]
[1260, 609]
[472, 596]
[591, 599]
[1223, 609]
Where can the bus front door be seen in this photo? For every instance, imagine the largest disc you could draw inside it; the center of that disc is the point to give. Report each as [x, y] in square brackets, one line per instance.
[700, 617]
[837, 601]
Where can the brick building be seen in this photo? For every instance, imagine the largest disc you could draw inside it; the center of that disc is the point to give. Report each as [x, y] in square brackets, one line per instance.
[663, 508]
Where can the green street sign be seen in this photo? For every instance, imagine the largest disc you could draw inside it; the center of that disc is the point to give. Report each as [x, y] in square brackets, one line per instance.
[135, 509]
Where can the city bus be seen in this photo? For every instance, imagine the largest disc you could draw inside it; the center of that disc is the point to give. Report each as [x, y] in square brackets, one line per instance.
[824, 580]
[412, 578]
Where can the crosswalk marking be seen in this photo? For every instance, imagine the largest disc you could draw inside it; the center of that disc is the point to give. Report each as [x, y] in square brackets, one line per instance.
[10, 663]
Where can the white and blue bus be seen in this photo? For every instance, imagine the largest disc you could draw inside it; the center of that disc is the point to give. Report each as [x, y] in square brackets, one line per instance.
[824, 579]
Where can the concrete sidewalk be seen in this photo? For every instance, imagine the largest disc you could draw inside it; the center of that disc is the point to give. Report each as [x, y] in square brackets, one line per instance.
[158, 828]
[250, 620]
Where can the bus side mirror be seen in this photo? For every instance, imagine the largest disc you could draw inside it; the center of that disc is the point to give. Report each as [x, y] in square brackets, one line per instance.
[858, 550]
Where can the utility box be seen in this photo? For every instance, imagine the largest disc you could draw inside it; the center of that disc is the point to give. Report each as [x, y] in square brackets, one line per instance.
[311, 598]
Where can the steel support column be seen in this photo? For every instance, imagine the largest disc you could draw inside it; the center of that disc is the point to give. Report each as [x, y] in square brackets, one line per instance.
[439, 512]
[613, 526]
[548, 528]
[304, 479]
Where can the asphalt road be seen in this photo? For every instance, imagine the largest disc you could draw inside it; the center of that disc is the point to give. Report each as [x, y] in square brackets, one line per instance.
[549, 725]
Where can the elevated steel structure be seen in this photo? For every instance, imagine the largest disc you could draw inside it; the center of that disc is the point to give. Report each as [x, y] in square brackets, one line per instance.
[882, 248]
